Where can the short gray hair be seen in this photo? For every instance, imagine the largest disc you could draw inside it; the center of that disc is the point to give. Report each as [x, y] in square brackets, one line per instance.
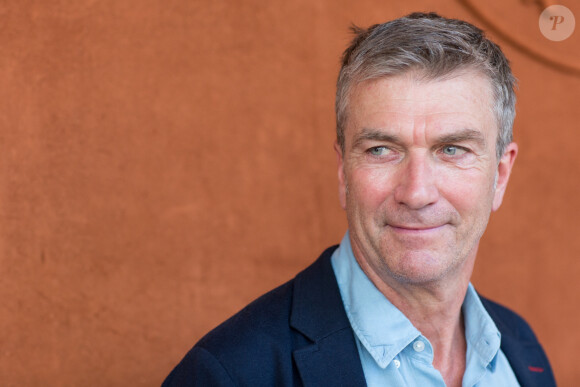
[435, 47]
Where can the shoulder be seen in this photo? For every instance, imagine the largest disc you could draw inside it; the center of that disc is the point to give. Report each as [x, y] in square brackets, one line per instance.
[264, 318]
[255, 346]
[257, 334]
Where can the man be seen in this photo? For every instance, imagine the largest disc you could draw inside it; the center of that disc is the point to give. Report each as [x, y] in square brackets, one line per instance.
[425, 107]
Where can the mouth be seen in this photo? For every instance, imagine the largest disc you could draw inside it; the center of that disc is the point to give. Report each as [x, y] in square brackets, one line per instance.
[418, 229]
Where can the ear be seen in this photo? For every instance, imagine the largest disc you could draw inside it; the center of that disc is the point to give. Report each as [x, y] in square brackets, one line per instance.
[504, 170]
[341, 177]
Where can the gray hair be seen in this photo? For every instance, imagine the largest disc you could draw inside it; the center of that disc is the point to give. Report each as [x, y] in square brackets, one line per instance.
[434, 46]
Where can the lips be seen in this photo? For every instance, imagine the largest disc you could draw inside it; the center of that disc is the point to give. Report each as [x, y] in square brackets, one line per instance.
[415, 228]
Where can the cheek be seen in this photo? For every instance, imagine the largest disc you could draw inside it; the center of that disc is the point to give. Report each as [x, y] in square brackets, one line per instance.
[468, 192]
[369, 187]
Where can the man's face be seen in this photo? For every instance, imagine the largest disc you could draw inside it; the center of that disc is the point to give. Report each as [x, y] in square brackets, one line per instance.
[418, 174]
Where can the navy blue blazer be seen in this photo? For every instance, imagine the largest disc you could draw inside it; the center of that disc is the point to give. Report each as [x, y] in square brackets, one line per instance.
[299, 335]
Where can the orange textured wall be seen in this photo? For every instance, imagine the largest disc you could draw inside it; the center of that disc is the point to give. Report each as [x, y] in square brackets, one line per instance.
[163, 163]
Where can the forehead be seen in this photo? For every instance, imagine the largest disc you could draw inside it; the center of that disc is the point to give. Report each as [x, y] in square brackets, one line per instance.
[462, 99]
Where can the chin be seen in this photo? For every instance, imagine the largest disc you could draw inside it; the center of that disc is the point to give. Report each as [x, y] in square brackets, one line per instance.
[420, 268]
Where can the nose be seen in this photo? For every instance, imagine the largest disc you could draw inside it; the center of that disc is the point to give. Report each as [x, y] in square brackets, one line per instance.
[416, 186]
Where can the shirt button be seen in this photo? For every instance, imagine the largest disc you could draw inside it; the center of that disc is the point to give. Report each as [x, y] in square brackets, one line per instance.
[397, 363]
[418, 346]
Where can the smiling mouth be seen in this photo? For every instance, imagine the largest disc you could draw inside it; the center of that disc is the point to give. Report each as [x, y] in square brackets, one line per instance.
[416, 229]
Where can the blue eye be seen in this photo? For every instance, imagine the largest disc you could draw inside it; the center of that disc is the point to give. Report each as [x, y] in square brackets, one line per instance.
[450, 150]
[378, 150]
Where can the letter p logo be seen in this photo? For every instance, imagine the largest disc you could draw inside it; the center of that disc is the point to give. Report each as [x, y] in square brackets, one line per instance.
[557, 23]
[557, 20]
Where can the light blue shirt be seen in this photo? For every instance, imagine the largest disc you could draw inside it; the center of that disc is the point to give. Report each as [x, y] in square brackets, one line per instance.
[394, 353]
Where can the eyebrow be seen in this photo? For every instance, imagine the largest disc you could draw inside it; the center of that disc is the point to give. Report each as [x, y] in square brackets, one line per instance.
[375, 135]
[462, 135]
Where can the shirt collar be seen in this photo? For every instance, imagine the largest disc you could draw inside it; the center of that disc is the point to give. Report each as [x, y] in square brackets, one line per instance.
[380, 327]
[384, 331]
[483, 337]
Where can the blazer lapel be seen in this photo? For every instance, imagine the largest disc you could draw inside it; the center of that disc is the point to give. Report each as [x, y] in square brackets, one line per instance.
[328, 354]
[521, 348]
[528, 362]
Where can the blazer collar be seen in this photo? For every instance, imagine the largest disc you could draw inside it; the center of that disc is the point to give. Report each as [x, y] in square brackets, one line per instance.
[521, 348]
[318, 314]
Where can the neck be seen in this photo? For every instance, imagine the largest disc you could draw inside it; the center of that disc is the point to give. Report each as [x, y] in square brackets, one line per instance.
[434, 308]
[437, 315]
